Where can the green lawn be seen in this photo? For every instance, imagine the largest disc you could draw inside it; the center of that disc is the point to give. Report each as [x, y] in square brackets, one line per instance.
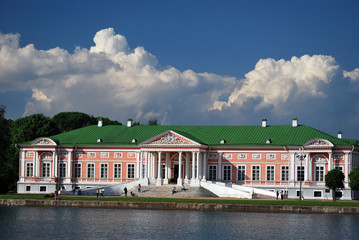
[214, 200]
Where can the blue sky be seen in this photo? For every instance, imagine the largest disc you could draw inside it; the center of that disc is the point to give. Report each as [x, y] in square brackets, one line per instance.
[184, 62]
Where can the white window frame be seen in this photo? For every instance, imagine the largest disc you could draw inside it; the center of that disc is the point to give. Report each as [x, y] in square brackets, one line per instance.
[77, 170]
[46, 171]
[227, 168]
[94, 170]
[212, 168]
[321, 193]
[259, 172]
[340, 168]
[60, 169]
[321, 177]
[104, 170]
[29, 169]
[118, 167]
[303, 173]
[241, 172]
[286, 176]
[131, 166]
[272, 176]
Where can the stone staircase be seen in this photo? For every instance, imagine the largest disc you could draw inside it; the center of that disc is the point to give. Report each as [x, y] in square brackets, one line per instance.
[165, 191]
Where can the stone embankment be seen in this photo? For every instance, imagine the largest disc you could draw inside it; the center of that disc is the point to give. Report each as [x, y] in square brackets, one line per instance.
[181, 206]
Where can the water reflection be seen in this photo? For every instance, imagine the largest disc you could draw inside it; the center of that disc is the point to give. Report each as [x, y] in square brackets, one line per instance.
[87, 223]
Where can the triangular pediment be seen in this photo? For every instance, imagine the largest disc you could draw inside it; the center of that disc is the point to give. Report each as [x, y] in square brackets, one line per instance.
[169, 138]
[44, 141]
[318, 143]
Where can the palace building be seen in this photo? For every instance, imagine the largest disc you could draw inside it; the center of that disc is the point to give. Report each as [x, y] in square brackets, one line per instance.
[263, 158]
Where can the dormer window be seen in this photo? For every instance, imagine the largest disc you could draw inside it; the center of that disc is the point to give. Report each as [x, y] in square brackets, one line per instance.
[134, 140]
[268, 141]
[99, 140]
[222, 141]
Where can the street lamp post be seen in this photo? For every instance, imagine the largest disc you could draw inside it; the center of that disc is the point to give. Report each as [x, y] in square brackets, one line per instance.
[301, 157]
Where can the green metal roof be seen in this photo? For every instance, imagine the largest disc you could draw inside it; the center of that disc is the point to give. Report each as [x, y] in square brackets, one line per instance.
[282, 135]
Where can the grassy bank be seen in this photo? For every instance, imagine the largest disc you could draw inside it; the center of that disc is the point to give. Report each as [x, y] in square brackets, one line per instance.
[192, 200]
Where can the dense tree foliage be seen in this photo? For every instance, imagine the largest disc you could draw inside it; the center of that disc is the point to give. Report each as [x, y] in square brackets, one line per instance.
[354, 179]
[5, 141]
[67, 121]
[152, 122]
[333, 180]
[29, 128]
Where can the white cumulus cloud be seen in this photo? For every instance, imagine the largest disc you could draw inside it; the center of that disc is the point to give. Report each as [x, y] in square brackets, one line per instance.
[353, 75]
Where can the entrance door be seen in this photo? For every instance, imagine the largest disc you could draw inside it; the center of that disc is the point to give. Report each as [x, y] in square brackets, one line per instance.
[175, 173]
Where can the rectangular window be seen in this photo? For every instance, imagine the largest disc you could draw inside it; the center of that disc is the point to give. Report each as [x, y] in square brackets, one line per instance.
[285, 173]
[28, 188]
[117, 170]
[103, 170]
[29, 170]
[300, 173]
[339, 168]
[227, 172]
[255, 173]
[77, 170]
[131, 170]
[45, 169]
[319, 173]
[62, 172]
[42, 188]
[317, 193]
[241, 172]
[91, 170]
[212, 172]
[270, 173]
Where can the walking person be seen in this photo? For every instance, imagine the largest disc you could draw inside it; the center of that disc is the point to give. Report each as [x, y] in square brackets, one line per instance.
[277, 194]
[139, 188]
[103, 192]
[125, 190]
[281, 195]
[97, 192]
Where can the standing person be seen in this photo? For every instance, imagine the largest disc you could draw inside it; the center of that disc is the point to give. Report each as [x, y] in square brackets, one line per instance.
[277, 194]
[100, 191]
[103, 192]
[125, 190]
[139, 188]
[97, 192]
[281, 195]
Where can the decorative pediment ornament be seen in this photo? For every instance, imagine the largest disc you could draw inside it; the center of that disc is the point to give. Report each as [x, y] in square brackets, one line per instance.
[46, 156]
[318, 142]
[169, 138]
[43, 141]
[320, 159]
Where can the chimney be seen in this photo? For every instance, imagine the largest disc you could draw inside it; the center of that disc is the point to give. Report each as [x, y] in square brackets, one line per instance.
[340, 135]
[100, 122]
[129, 122]
[295, 122]
[264, 122]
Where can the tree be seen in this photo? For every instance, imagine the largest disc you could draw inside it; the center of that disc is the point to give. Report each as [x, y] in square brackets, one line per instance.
[354, 179]
[67, 121]
[5, 141]
[333, 180]
[152, 122]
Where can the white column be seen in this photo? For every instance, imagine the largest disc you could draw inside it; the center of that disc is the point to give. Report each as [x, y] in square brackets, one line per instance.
[220, 167]
[187, 166]
[22, 159]
[146, 166]
[141, 165]
[346, 170]
[137, 172]
[159, 177]
[292, 170]
[69, 166]
[165, 177]
[180, 178]
[205, 163]
[37, 161]
[198, 167]
[309, 167]
[55, 164]
[306, 175]
[330, 162]
[193, 165]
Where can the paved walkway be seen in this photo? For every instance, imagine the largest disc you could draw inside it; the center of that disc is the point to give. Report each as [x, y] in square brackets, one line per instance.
[166, 191]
